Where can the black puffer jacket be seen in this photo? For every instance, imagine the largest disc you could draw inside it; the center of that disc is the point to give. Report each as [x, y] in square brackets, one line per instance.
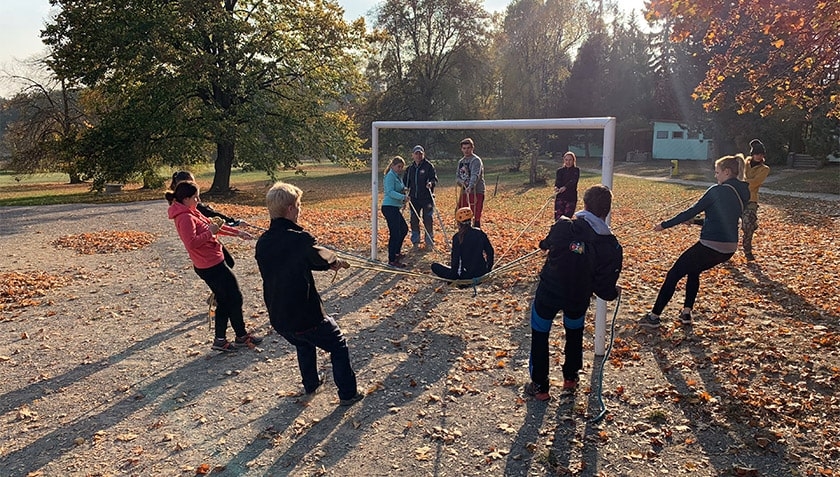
[286, 255]
[581, 262]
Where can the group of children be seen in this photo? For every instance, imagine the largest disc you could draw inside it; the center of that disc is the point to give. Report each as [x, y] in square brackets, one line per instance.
[584, 258]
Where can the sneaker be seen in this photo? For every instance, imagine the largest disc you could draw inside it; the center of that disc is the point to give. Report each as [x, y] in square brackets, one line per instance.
[649, 321]
[222, 344]
[533, 390]
[397, 264]
[570, 384]
[685, 318]
[247, 341]
[750, 256]
[322, 378]
[353, 400]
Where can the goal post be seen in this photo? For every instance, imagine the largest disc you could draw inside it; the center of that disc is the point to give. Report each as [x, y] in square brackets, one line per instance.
[607, 124]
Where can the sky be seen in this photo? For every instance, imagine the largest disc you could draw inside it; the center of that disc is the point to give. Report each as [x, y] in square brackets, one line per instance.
[21, 22]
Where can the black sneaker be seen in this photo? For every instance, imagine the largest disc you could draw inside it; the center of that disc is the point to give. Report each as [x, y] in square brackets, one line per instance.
[353, 400]
[685, 318]
[223, 345]
[649, 321]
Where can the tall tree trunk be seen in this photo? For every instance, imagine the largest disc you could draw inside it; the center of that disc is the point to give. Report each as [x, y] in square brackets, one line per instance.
[223, 164]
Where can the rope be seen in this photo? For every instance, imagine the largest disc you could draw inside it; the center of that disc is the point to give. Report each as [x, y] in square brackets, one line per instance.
[422, 222]
[440, 221]
[550, 199]
[603, 412]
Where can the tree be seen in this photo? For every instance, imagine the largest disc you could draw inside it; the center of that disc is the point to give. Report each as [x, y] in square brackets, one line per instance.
[49, 121]
[538, 40]
[265, 82]
[431, 63]
[786, 51]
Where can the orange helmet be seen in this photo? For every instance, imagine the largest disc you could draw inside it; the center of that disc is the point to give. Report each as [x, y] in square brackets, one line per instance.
[463, 214]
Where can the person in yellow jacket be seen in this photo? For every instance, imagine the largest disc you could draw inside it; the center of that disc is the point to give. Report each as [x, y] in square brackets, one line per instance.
[755, 172]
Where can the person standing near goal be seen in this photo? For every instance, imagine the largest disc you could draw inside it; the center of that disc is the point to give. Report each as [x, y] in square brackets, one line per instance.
[470, 179]
[755, 172]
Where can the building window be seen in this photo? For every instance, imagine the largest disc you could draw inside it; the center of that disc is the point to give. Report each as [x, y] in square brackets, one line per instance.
[677, 135]
[661, 134]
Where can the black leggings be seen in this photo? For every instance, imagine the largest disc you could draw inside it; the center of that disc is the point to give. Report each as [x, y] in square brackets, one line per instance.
[222, 282]
[698, 258]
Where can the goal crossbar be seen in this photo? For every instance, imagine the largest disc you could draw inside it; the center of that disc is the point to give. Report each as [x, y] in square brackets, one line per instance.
[607, 124]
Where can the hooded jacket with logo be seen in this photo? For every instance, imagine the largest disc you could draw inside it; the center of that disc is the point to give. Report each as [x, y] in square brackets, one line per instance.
[584, 257]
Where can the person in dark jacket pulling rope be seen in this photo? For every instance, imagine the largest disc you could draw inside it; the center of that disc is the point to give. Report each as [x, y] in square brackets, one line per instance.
[584, 257]
[420, 178]
[723, 205]
[472, 253]
[286, 255]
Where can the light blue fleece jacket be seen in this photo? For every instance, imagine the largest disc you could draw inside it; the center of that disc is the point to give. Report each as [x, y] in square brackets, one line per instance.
[394, 188]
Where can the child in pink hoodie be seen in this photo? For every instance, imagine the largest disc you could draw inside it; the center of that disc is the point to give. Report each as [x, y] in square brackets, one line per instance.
[199, 236]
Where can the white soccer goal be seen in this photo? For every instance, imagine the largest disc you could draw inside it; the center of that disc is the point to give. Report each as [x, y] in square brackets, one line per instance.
[605, 123]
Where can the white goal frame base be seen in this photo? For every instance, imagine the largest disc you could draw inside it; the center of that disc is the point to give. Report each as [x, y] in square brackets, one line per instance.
[605, 123]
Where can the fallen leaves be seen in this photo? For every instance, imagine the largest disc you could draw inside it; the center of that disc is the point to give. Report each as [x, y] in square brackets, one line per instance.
[18, 290]
[105, 241]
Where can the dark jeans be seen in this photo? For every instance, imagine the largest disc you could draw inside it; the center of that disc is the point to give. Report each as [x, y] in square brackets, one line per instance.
[223, 284]
[328, 337]
[397, 230]
[545, 307]
[427, 211]
[698, 258]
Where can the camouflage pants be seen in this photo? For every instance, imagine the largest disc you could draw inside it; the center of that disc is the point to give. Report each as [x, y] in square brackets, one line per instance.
[749, 224]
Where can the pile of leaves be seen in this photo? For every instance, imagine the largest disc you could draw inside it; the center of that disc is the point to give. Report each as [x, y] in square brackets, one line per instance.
[105, 241]
[18, 290]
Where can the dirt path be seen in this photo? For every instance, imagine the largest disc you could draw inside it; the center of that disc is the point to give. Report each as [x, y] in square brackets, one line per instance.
[112, 374]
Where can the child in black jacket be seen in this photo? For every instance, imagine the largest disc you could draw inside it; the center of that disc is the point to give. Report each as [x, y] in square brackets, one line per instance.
[584, 257]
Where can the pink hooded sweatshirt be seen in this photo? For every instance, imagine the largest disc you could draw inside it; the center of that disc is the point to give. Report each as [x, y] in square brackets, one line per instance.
[205, 251]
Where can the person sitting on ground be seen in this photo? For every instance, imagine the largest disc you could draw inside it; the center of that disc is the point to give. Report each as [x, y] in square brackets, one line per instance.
[205, 209]
[472, 253]
[584, 257]
[198, 233]
[286, 255]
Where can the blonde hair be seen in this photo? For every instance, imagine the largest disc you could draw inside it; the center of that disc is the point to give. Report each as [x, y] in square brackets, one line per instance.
[396, 160]
[735, 164]
[574, 157]
[280, 197]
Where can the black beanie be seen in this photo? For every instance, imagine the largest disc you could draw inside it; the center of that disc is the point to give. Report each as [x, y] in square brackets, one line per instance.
[756, 147]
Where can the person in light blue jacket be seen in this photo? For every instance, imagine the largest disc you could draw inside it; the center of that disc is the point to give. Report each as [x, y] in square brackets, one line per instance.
[395, 196]
[723, 205]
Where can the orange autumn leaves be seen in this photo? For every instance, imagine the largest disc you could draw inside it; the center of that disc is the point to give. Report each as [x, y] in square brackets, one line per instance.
[105, 241]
